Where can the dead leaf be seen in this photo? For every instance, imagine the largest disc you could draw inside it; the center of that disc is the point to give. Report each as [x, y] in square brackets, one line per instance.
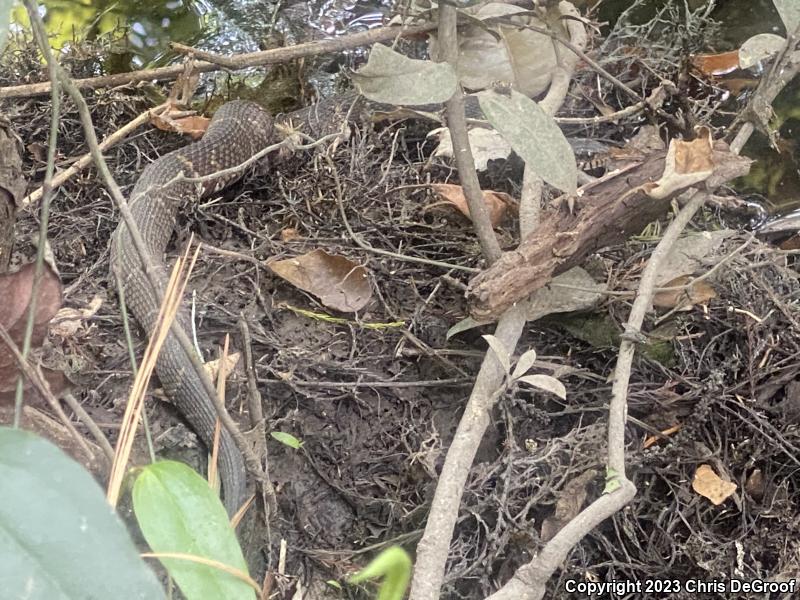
[687, 163]
[68, 320]
[337, 281]
[212, 366]
[569, 504]
[486, 145]
[15, 290]
[565, 296]
[712, 65]
[497, 203]
[755, 485]
[193, 125]
[654, 439]
[700, 292]
[290, 234]
[709, 485]
[692, 254]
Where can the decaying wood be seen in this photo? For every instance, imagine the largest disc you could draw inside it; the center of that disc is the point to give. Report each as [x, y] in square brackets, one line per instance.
[12, 186]
[608, 213]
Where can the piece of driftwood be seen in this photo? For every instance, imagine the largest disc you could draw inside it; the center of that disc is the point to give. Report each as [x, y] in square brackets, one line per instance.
[12, 186]
[608, 212]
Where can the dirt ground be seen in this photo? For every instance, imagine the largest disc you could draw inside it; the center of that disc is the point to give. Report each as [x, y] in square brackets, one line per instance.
[376, 407]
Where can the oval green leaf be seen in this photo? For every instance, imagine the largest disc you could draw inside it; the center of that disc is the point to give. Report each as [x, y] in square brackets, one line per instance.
[394, 566]
[179, 513]
[546, 383]
[59, 538]
[534, 136]
[393, 78]
[287, 439]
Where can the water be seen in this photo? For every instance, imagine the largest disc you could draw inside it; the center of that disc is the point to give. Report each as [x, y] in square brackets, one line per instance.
[139, 31]
[142, 29]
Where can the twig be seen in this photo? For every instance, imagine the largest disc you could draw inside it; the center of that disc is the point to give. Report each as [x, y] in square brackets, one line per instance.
[758, 111]
[41, 386]
[433, 548]
[256, 410]
[363, 245]
[227, 62]
[528, 583]
[462, 152]
[242, 61]
[257, 421]
[87, 420]
[55, 99]
[86, 159]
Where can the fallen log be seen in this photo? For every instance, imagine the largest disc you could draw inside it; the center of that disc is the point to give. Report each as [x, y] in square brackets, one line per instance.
[607, 213]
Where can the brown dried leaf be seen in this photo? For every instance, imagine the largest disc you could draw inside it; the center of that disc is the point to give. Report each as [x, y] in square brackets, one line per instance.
[712, 65]
[68, 320]
[212, 366]
[709, 485]
[755, 485]
[497, 203]
[193, 125]
[687, 163]
[290, 234]
[337, 281]
[15, 290]
[700, 292]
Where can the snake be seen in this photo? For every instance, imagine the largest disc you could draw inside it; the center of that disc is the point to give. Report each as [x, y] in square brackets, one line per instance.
[237, 131]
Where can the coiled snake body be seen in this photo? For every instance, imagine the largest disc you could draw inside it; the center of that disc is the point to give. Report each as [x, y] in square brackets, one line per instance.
[238, 130]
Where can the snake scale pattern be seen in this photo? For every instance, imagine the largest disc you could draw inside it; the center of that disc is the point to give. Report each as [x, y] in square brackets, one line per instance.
[238, 130]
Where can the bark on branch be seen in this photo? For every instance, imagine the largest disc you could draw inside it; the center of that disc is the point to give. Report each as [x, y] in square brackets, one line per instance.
[608, 213]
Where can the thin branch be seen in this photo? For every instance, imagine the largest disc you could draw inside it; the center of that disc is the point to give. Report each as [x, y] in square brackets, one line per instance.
[41, 386]
[241, 61]
[462, 152]
[55, 99]
[529, 582]
[86, 159]
[138, 243]
[433, 548]
[363, 245]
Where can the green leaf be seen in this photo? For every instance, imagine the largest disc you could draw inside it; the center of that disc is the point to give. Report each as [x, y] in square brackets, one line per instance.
[178, 512]
[59, 538]
[534, 136]
[464, 324]
[5, 18]
[524, 364]
[287, 439]
[500, 352]
[612, 481]
[394, 565]
[391, 77]
[546, 383]
[789, 10]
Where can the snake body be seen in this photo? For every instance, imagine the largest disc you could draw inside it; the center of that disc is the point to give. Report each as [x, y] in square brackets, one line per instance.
[238, 130]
